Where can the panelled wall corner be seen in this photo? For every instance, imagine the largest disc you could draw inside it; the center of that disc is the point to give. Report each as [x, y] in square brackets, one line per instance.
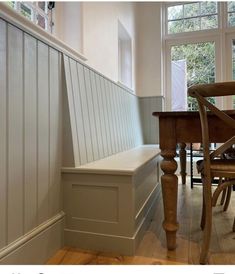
[45, 125]
[30, 147]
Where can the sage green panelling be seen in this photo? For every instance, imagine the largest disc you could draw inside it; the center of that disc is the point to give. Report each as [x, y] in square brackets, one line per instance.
[149, 123]
[3, 135]
[30, 123]
[15, 133]
[104, 117]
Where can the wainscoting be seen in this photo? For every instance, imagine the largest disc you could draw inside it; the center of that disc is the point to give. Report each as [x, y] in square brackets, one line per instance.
[150, 125]
[30, 123]
[33, 98]
[104, 117]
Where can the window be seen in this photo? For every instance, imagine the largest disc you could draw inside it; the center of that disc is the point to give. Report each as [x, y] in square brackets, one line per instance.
[195, 16]
[125, 56]
[231, 13]
[36, 12]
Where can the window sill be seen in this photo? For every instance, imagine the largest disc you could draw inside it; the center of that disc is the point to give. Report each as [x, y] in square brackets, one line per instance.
[7, 13]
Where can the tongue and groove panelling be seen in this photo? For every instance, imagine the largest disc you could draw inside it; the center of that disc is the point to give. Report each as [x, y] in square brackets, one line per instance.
[30, 133]
[104, 117]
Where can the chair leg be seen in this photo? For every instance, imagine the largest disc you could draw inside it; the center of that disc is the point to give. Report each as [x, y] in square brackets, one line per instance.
[228, 196]
[223, 193]
[203, 213]
[223, 196]
[208, 223]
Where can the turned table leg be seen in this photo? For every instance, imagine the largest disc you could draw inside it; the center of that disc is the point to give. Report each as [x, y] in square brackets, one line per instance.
[182, 154]
[169, 191]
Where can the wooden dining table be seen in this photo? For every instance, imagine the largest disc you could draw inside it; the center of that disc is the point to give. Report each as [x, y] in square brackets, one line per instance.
[180, 128]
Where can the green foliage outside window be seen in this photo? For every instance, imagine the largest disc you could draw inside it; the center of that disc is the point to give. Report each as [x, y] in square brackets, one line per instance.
[200, 59]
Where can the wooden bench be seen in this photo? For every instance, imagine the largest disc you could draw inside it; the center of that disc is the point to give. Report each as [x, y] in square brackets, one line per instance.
[110, 178]
[108, 202]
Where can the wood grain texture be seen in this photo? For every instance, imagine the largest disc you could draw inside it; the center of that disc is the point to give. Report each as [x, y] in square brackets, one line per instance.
[152, 248]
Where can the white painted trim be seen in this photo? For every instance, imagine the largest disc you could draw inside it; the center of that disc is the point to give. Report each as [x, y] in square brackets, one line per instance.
[120, 83]
[33, 233]
[13, 17]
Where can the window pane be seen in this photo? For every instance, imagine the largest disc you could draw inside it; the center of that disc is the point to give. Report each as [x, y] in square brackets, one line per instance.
[175, 12]
[11, 4]
[41, 21]
[191, 24]
[42, 6]
[231, 19]
[208, 7]
[209, 22]
[200, 62]
[175, 26]
[191, 10]
[231, 6]
[26, 11]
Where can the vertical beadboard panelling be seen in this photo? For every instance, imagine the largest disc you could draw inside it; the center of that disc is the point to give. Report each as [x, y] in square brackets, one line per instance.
[78, 112]
[131, 108]
[106, 114]
[97, 115]
[112, 117]
[3, 136]
[109, 116]
[116, 116]
[120, 115]
[43, 132]
[85, 112]
[55, 131]
[30, 132]
[137, 116]
[128, 119]
[122, 111]
[153, 122]
[15, 134]
[150, 125]
[102, 115]
[94, 139]
[72, 111]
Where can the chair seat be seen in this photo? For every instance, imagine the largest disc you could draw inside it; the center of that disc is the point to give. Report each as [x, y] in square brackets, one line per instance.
[219, 167]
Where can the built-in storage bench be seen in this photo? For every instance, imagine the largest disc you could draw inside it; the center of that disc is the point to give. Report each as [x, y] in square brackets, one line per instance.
[109, 202]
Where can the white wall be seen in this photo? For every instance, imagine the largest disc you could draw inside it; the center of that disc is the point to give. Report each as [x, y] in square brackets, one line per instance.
[149, 49]
[92, 29]
[100, 34]
[68, 24]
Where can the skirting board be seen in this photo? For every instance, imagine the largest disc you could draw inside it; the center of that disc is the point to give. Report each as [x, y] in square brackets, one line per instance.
[111, 243]
[37, 246]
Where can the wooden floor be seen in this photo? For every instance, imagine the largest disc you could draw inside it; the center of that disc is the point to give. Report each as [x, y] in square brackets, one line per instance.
[152, 249]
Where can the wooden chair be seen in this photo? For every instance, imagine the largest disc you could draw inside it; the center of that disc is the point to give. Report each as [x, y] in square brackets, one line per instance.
[212, 164]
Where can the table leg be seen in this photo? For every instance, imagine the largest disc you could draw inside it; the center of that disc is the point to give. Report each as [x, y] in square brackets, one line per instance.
[182, 153]
[169, 192]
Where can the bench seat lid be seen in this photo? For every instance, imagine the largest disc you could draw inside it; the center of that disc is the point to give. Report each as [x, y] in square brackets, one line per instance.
[126, 162]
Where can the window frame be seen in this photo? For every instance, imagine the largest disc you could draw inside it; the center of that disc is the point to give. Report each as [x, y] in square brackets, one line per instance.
[222, 36]
[36, 10]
